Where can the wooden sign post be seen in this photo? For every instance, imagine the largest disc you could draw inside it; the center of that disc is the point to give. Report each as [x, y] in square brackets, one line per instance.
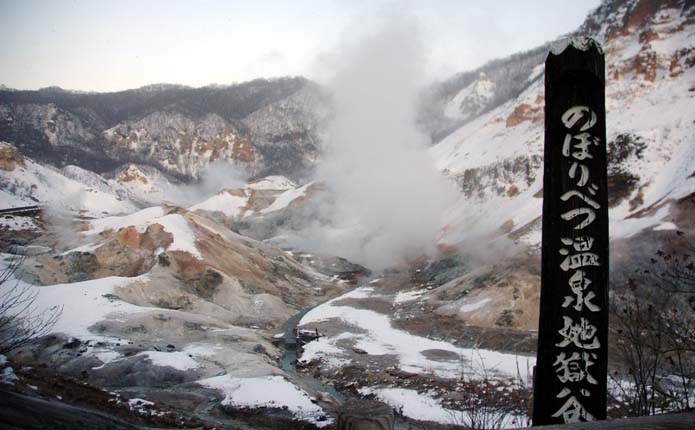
[571, 368]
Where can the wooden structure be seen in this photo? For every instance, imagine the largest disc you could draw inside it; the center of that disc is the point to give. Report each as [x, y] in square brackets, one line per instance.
[571, 369]
[21, 211]
[685, 421]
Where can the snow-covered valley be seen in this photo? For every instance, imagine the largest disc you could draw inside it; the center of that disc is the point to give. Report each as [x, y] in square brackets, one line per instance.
[204, 268]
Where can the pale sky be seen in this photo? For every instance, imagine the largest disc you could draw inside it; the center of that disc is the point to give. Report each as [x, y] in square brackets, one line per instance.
[111, 45]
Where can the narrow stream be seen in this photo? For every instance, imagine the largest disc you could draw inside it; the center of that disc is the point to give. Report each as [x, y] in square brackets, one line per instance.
[289, 360]
[289, 357]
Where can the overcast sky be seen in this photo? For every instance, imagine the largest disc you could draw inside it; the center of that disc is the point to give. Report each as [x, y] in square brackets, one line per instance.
[113, 45]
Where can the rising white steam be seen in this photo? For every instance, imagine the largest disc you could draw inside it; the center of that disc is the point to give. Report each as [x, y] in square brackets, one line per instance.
[387, 199]
[217, 176]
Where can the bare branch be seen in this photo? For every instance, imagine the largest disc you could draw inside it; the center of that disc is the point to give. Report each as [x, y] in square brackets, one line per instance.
[20, 320]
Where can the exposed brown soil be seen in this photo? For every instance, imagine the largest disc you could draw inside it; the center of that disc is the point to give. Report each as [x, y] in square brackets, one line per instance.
[524, 112]
[244, 151]
[452, 329]
[132, 174]
[10, 157]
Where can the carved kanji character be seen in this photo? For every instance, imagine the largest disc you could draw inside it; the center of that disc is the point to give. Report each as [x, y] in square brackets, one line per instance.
[578, 284]
[583, 173]
[575, 368]
[581, 243]
[579, 150]
[574, 114]
[574, 193]
[576, 261]
[573, 412]
[582, 335]
[571, 214]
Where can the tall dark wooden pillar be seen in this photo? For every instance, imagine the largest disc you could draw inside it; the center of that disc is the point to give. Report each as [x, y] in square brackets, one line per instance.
[571, 369]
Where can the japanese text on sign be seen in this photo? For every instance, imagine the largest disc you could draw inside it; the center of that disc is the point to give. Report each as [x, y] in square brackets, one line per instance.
[575, 358]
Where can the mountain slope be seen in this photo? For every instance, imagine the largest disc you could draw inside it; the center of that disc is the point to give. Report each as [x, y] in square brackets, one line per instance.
[496, 157]
[264, 126]
[179, 303]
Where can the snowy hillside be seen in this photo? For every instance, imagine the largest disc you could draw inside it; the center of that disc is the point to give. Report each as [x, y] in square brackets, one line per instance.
[483, 293]
[496, 158]
[174, 294]
[178, 229]
[471, 100]
[25, 182]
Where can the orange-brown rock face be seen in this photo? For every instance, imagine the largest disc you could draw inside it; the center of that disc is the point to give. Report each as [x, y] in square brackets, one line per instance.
[132, 174]
[155, 237]
[524, 112]
[243, 151]
[10, 157]
[129, 236]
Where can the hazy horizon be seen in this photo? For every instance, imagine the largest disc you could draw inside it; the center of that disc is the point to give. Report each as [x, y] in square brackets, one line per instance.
[109, 46]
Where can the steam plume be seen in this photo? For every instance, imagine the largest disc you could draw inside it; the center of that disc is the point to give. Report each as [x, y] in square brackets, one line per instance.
[217, 175]
[387, 199]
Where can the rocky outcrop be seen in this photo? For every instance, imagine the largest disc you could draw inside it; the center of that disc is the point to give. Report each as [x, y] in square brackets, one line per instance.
[50, 133]
[471, 100]
[622, 152]
[142, 183]
[525, 112]
[496, 156]
[268, 127]
[10, 157]
[178, 144]
[504, 296]
[56, 125]
[465, 96]
[287, 132]
[506, 178]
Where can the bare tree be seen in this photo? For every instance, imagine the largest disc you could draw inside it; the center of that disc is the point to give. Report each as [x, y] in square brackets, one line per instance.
[653, 325]
[20, 319]
[676, 279]
[485, 400]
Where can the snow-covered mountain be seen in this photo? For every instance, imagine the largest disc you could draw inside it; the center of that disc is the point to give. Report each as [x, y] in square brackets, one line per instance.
[165, 295]
[169, 285]
[496, 157]
[25, 182]
[493, 152]
[264, 126]
[488, 137]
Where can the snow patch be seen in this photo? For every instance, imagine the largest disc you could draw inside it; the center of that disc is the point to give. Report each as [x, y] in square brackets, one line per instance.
[85, 304]
[413, 404]
[284, 199]
[176, 224]
[139, 219]
[16, 223]
[184, 237]
[625, 228]
[275, 183]
[7, 376]
[225, 202]
[176, 359]
[37, 184]
[407, 296]
[376, 336]
[324, 350]
[269, 392]
[470, 307]
[106, 357]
